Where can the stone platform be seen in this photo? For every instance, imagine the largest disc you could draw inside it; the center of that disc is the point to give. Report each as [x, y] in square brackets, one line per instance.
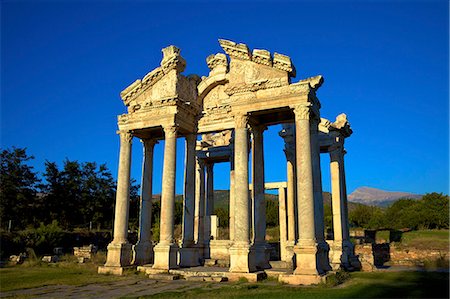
[203, 274]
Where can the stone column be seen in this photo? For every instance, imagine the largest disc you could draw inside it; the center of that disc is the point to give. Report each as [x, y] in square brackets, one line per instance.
[291, 205]
[282, 216]
[199, 230]
[210, 188]
[323, 246]
[262, 251]
[119, 250]
[232, 196]
[292, 231]
[241, 259]
[166, 251]
[144, 246]
[188, 253]
[209, 202]
[343, 249]
[306, 247]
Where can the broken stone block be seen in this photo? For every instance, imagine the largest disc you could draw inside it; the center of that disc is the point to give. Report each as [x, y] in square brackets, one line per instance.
[50, 259]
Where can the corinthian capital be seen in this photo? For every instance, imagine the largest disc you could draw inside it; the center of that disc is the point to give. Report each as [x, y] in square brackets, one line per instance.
[149, 142]
[170, 131]
[125, 136]
[240, 121]
[337, 154]
[301, 111]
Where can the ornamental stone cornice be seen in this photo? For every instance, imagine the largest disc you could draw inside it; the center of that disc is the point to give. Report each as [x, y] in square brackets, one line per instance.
[149, 89]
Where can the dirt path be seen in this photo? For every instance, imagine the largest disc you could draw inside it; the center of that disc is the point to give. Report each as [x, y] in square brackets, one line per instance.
[126, 288]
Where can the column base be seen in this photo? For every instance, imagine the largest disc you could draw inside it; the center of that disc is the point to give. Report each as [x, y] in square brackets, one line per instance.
[143, 253]
[308, 259]
[114, 270]
[289, 255]
[242, 258]
[323, 256]
[189, 256]
[119, 255]
[166, 256]
[343, 256]
[262, 255]
[302, 279]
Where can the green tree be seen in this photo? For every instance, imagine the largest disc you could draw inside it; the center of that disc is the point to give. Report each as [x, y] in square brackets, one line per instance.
[366, 217]
[436, 210]
[223, 216]
[272, 213]
[17, 188]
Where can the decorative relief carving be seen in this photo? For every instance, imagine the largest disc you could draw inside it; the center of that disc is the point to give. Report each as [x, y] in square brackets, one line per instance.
[240, 121]
[214, 61]
[125, 136]
[314, 82]
[284, 63]
[172, 60]
[221, 138]
[239, 51]
[262, 84]
[170, 131]
[302, 112]
[262, 57]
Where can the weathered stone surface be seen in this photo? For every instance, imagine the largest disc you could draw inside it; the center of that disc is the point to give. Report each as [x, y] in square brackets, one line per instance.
[245, 91]
[50, 258]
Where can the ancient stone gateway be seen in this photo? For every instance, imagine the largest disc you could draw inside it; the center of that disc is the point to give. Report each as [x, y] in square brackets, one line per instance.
[230, 108]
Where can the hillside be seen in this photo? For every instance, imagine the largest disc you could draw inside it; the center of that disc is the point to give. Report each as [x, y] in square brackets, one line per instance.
[377, 197]
[221, 199]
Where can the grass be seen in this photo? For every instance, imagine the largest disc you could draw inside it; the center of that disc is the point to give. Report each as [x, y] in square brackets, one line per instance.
[353, 285]
[36, 274]
[426, 239]
[360, 285]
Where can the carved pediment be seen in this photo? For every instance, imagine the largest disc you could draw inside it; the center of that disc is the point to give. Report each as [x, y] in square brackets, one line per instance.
[162, 85]
[252, 71]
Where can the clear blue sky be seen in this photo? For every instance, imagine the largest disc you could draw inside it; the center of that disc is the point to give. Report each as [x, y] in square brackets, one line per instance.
[385, 64]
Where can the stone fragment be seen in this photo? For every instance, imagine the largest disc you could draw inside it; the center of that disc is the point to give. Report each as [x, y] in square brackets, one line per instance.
[50, 258]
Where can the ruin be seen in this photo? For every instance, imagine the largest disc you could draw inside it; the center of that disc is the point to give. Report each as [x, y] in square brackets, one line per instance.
[245, 92]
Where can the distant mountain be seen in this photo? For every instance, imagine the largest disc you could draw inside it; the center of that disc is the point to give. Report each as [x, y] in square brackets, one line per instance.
[377, 197]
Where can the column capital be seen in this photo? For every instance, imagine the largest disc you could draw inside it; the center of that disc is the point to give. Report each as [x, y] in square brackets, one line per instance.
[148, 142]
[337, 153]
[302, 111]
[240, 121]
[258, 129]
[125, 136]
[191, 137]
[170, 130]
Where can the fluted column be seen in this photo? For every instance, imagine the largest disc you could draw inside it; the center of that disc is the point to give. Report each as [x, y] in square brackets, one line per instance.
[292, 228]
[189, 192]
[306, 247]
[232, 197]
[323, 246]
[240, 253]
[144, 247]
[189, 254]
[209, 189]
[199, 229]
[262, 252]
[166, 250]
[282, 216]
[209, 201]
[119, 250]
[343, 248]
